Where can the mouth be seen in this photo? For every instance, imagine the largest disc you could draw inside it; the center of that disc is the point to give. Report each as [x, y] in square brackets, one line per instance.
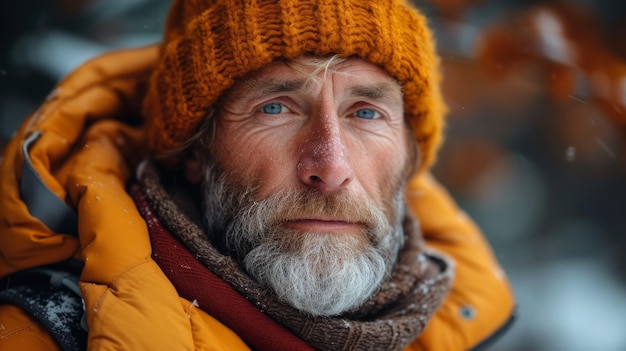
[323, 225]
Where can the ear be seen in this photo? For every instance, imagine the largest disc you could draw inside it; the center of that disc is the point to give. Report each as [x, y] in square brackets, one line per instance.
[193, 168]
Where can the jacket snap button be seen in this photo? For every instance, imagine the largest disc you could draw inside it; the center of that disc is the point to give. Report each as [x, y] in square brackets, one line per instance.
[468, 312]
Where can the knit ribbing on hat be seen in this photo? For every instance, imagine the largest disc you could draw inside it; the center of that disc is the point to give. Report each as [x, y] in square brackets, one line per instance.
[210, 44]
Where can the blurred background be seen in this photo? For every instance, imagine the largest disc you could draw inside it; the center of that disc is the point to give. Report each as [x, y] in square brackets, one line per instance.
[534, 149]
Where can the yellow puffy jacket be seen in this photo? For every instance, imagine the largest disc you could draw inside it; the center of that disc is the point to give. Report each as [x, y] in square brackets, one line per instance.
[90, 144]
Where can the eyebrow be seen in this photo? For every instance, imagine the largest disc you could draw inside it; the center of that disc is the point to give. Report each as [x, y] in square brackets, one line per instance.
[378, 91]
[260, 87]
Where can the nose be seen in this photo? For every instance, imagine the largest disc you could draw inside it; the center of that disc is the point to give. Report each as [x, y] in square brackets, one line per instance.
[324, 162]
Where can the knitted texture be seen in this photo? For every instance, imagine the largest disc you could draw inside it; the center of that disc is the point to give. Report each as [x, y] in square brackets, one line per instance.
[209, 44]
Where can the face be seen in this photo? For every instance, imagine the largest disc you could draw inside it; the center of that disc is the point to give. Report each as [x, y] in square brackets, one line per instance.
[306, 176]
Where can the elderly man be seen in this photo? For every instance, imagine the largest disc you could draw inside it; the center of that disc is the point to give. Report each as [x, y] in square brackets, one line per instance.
[281, 198]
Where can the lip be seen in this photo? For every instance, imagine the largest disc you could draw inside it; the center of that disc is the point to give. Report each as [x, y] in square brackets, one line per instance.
[323, 225]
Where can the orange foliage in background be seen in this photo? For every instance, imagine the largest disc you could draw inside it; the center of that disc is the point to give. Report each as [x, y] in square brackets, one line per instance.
[454, 8]
[566, 40]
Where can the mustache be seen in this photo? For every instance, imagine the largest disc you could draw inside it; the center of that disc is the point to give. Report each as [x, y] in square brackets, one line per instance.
[267, 215]
[310, 203]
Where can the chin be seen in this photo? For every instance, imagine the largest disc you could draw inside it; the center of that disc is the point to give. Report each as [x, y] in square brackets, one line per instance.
[327, 275]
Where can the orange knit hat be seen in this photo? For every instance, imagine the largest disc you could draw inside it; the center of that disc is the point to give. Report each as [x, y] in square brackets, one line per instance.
[208, 44]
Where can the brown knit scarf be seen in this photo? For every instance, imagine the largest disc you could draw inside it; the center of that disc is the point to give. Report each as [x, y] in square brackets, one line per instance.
[393, 317]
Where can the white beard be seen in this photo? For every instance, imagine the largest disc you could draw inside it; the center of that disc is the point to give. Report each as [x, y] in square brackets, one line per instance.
[320, 279]
[322, 274]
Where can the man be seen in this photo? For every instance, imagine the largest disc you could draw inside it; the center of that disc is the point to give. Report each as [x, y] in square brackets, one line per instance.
[283, 203]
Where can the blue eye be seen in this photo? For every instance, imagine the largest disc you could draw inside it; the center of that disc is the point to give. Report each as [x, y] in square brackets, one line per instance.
[273, 108]
[367, 113]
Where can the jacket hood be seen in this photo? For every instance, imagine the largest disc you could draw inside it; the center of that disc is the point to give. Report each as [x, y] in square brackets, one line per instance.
[89, 140]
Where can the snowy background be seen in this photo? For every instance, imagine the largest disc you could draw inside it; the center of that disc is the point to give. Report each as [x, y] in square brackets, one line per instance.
[535, 145]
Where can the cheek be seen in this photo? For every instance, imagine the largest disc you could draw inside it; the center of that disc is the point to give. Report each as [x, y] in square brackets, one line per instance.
[256, 160]
[382, 166]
